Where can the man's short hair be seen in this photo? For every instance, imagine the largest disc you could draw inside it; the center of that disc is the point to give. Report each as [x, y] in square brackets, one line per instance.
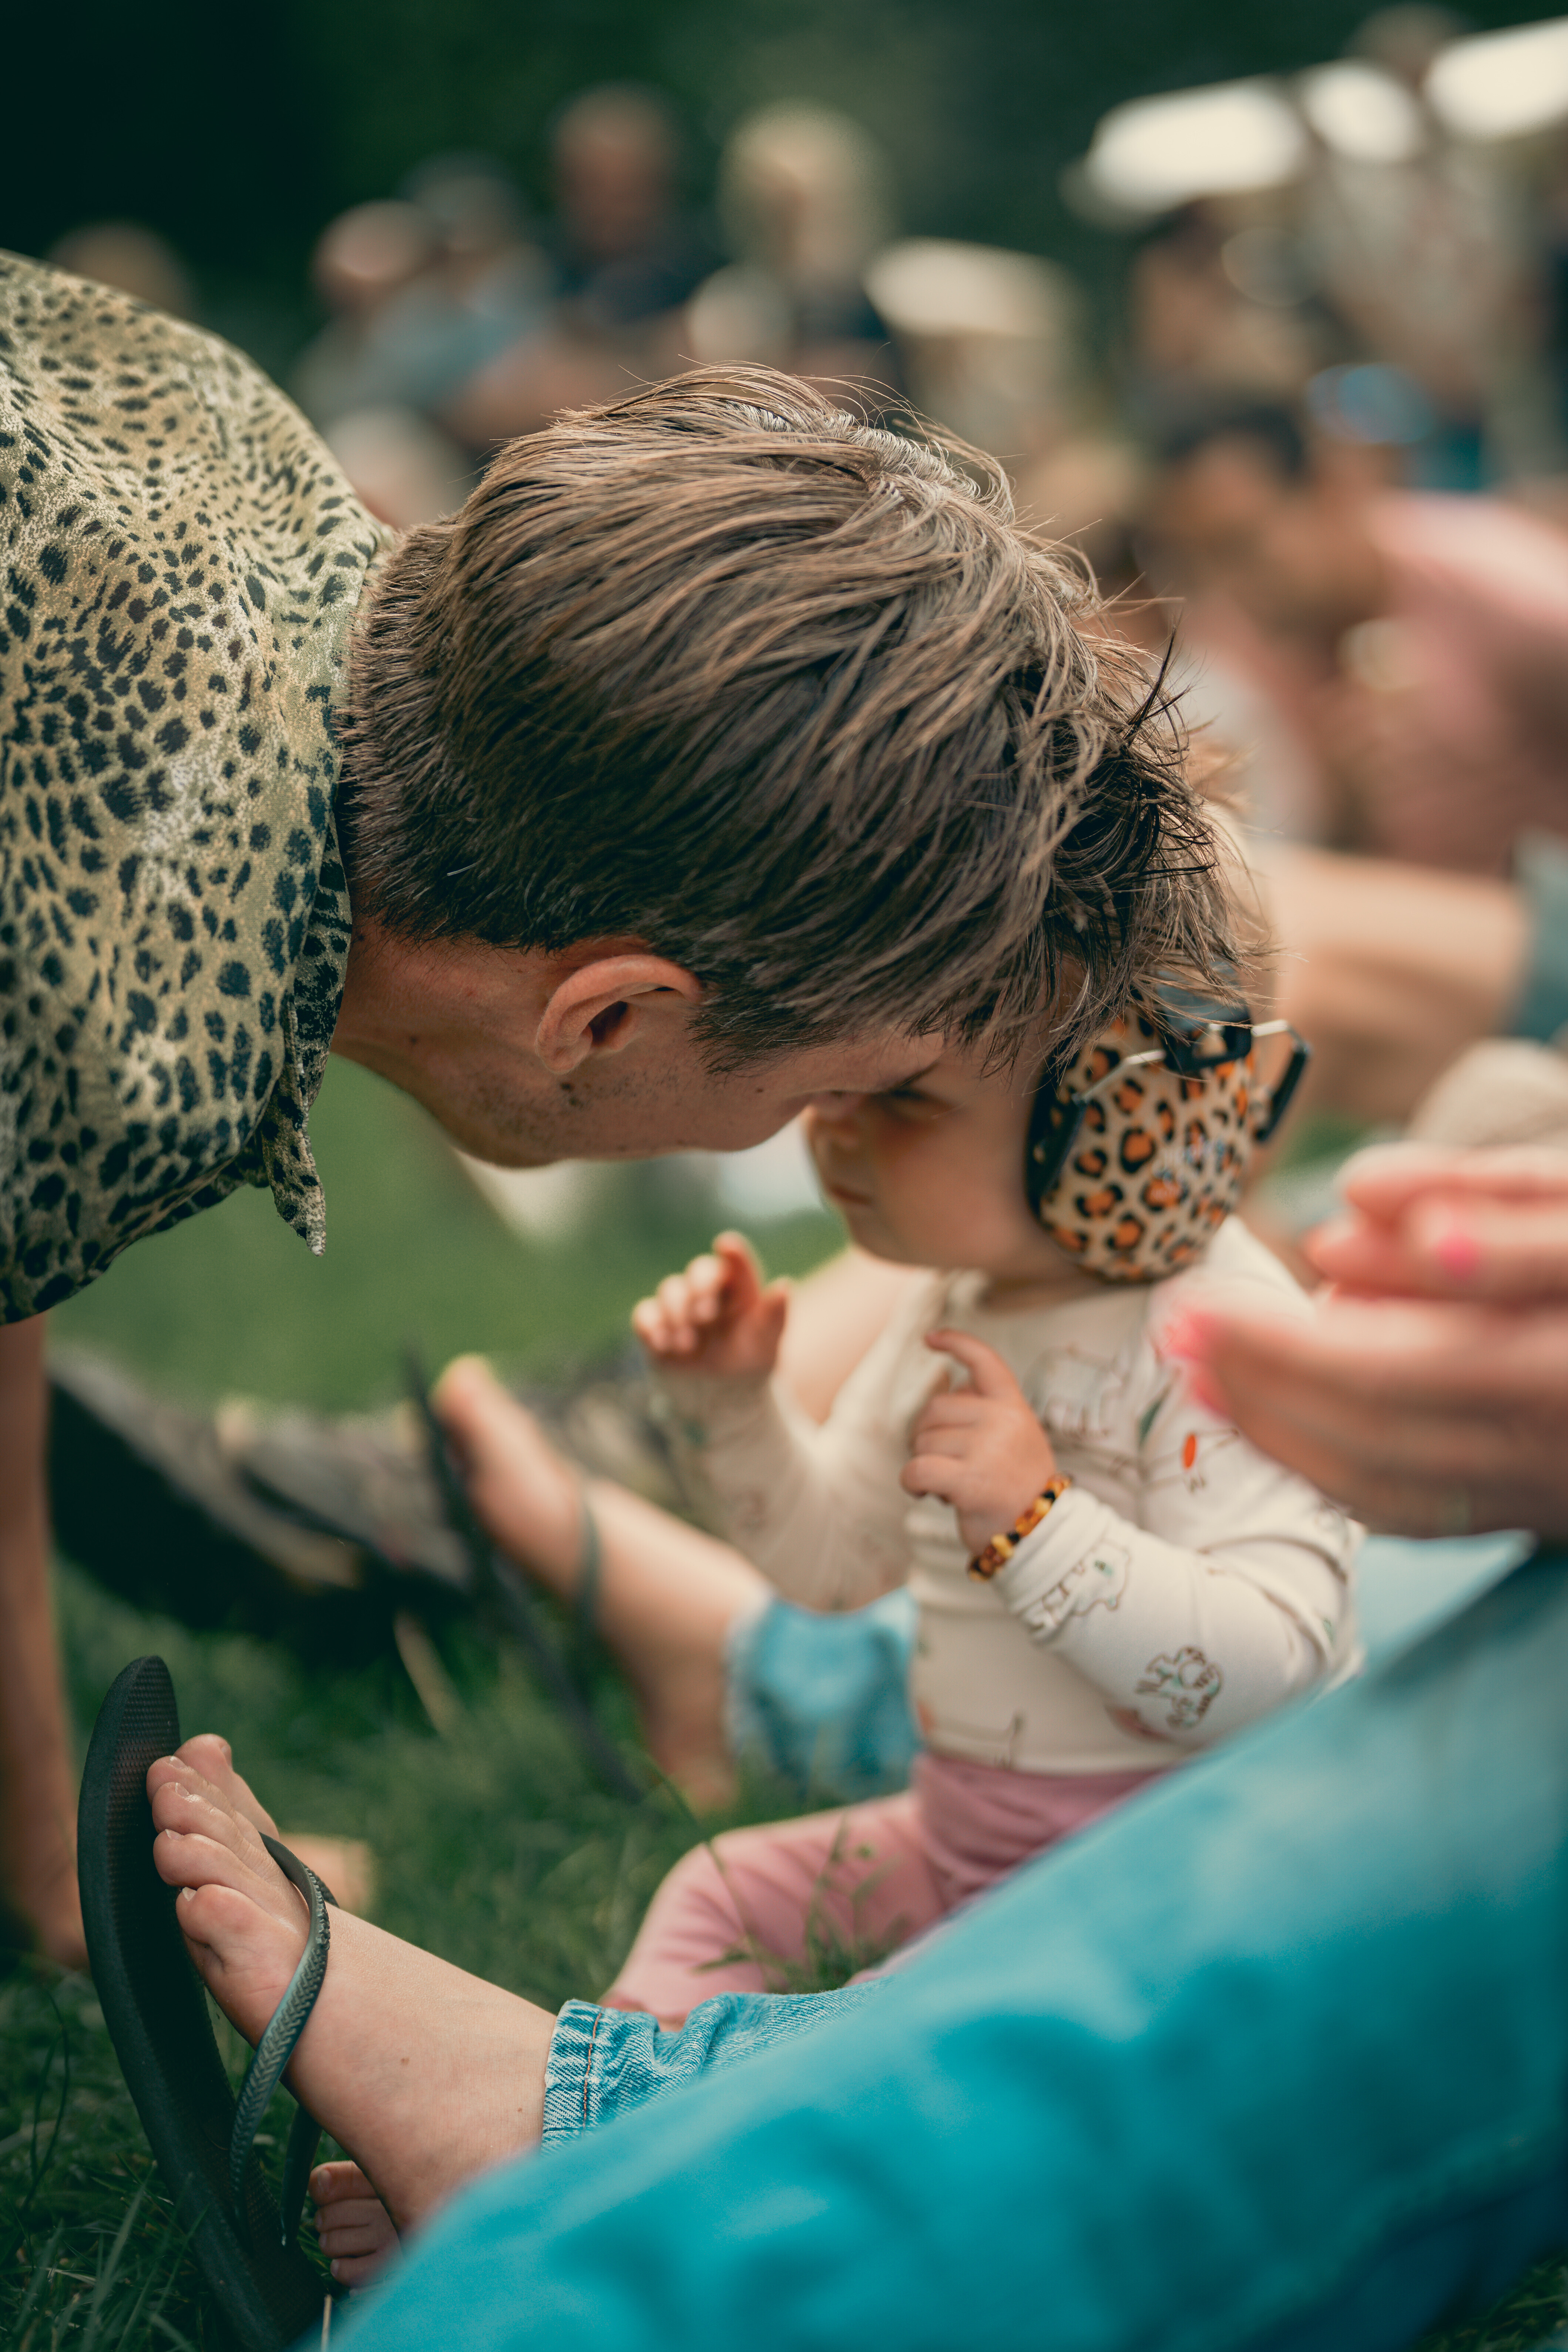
[790, 700]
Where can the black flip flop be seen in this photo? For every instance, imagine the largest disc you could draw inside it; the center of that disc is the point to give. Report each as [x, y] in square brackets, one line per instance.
[155, 2008]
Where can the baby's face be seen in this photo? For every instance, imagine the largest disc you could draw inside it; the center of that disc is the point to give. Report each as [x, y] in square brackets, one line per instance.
[931, 1172]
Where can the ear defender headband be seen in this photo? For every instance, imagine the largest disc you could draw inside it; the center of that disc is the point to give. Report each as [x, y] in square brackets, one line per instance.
[1139, 1149]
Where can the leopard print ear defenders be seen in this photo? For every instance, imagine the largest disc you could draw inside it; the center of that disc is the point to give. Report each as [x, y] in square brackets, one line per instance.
[1139, 1148]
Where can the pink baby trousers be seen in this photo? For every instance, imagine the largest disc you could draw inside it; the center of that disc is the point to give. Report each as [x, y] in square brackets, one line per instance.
[782, 1907]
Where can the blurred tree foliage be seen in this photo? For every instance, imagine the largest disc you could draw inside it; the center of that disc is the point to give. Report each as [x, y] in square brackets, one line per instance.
[238, 132]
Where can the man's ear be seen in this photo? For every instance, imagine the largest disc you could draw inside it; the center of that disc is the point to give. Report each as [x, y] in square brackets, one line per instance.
[598, 1007]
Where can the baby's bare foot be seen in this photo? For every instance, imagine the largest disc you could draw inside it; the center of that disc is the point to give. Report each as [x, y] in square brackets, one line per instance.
[353, 2225]
[426, 2075]
[521, 1489]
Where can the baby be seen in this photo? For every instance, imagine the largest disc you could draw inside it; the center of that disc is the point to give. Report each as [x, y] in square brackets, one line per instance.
[1108, 1576]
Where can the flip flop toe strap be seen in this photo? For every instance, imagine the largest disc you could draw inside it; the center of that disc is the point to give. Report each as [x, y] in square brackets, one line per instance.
[276, 2047]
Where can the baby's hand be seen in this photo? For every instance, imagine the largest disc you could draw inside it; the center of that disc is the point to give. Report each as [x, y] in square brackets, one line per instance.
[718, 1316]
[980, 1448]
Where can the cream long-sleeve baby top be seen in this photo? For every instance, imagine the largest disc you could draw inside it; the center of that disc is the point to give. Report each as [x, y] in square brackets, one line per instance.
[1182, 1587]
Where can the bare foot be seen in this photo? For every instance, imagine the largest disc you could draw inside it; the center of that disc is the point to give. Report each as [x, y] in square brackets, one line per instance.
[668, 1595]
[426, 2075]
[528, 1499]
[353, 2225]
[345, 1864]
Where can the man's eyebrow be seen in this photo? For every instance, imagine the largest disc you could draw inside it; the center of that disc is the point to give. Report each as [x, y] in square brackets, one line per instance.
[894, 1086]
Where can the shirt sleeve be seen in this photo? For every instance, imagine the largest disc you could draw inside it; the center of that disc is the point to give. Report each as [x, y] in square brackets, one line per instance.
[1231, 1596]
[819, 1510]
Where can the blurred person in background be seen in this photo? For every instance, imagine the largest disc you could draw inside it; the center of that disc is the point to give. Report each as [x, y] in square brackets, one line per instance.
[804, 203]
[132, 257]
[1416, 646]
[623, 254]
[425, 288]
[364, 261]
[1217, 298]
[1421, 247]
[624, 246]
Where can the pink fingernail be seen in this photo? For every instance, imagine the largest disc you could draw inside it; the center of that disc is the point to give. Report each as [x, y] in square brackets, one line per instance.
[1457, 1251]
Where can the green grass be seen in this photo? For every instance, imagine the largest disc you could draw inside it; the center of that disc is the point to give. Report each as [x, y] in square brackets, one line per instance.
[494, 1846]
[234, 1302]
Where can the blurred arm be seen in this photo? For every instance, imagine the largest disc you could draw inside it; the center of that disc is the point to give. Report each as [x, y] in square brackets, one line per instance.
[1389, 972]
[37, 1785]
[819, 1510]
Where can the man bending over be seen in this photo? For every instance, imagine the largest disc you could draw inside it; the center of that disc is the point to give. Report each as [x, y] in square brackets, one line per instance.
[720, 754]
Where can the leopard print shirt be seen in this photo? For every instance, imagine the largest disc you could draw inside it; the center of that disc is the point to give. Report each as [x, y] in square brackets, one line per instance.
[181, 562]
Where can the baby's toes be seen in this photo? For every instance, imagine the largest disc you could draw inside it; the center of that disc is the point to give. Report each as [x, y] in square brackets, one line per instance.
[359, 2270]
[337, 2178]
[353, 2227]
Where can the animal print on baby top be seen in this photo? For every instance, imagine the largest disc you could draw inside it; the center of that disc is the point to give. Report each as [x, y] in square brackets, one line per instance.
[181, 564]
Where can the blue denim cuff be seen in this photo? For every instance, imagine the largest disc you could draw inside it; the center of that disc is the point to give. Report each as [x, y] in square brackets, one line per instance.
[604, 2061]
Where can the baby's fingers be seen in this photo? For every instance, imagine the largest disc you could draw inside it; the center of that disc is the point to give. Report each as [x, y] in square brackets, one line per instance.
[953, 1409]
[700, 1289]
[743, 1276]
[673, 1321]
[932, 1474]
[989, 1374]
[654, 1327]
[949, 1444]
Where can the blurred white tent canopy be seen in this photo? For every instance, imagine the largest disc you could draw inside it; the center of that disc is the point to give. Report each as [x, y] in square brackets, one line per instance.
[989, 339]
[1241, 138]
[935, 285]
[1362, 112]
[1502, 85]
[1154, 153]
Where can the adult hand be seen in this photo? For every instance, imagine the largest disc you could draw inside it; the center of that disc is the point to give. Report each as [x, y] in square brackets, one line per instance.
[1427, 1223]
[1429, 1394]
[718, 1316]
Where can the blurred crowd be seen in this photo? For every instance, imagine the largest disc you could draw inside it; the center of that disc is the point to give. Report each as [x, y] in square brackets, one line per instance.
[1320, 456]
